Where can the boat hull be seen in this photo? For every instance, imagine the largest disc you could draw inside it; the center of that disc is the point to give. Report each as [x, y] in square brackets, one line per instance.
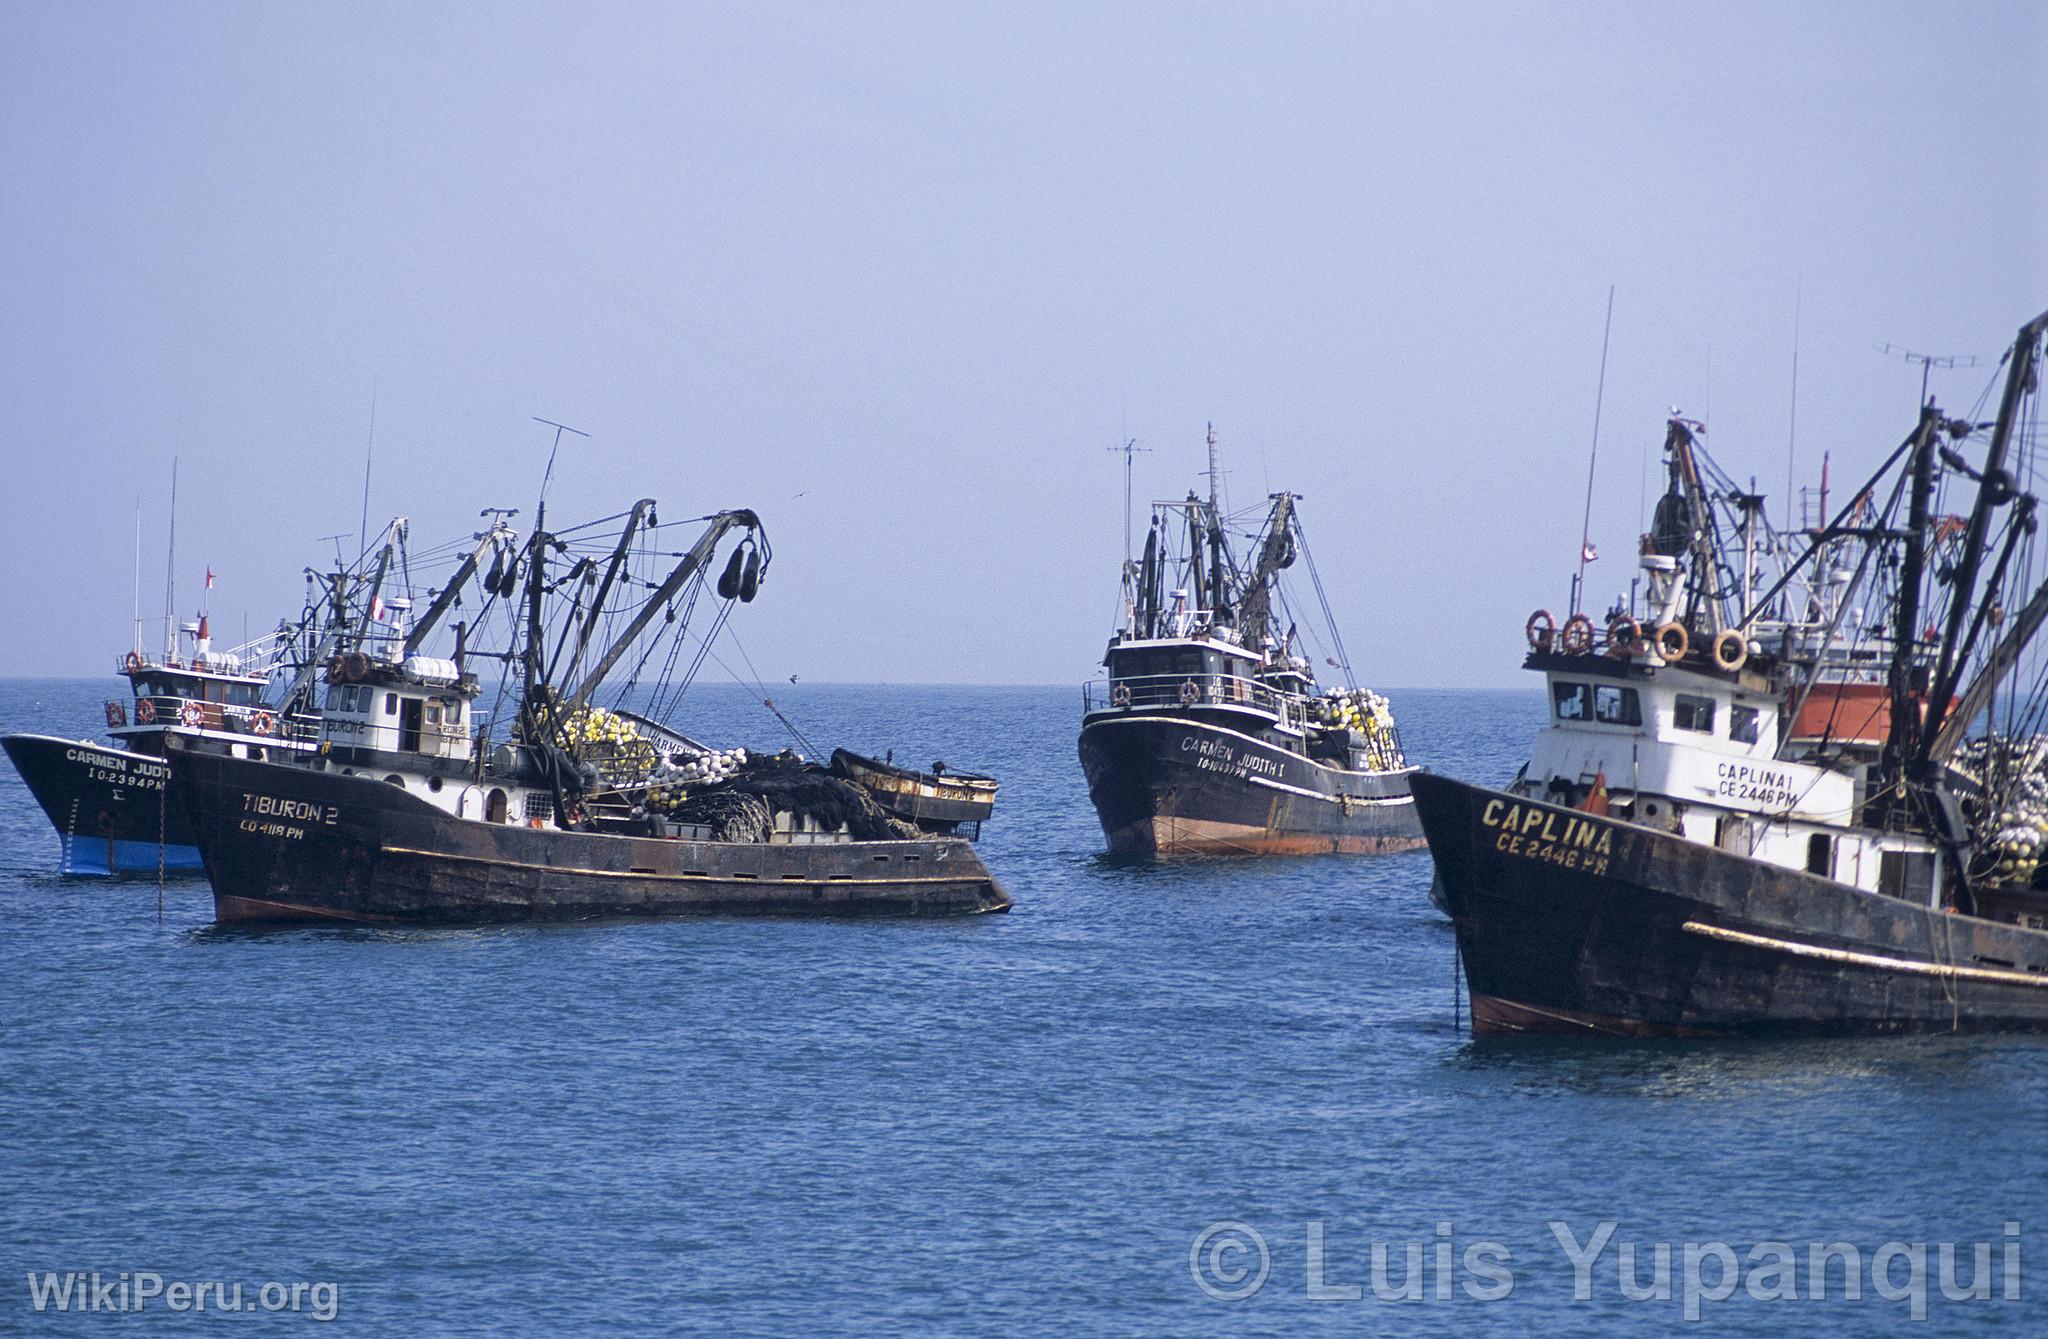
[1569, 922]
[292, 843]
[108, 805]
[1175, 784]
[935, 804]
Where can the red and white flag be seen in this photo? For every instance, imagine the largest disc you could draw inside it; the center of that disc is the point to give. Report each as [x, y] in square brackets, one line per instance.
[209, 578]
[1589, 553]
[376, 608]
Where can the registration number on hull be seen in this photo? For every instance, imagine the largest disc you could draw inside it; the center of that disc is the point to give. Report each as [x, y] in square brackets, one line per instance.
[281, 816]
[113, 770]
[1548, 837]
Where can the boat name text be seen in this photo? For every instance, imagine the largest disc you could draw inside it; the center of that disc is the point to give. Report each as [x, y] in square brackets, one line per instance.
[1755, 785]
[277, 816]
[114, 770]
[1215, 755]
[1545, 835]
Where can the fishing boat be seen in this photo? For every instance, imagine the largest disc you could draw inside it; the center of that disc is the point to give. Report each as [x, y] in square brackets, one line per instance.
[411, 811]
[108, 801]
[1809, 801]
[114, 805]
[1208, 734]
[941, 800]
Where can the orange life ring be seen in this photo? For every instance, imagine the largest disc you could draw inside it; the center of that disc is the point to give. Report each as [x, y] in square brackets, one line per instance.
[1120, 696]
[1190, 693]
[355, 667]
[1541, 630]
[1577, 637]
[145, 710]
[192, 714]
[117, 716]
[1673, 641]
[1624, 636]
[262, 723]
[134, 661]
[1731, 650]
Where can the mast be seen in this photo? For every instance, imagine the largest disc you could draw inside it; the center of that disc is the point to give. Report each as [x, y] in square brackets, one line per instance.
[138, 576]
[1218, 610]
[1994, 489]
[536, 580]
[1275, 554]
[170, 573]
[1146, 619]
[641, 509]
[362, 631]
[1901, 747]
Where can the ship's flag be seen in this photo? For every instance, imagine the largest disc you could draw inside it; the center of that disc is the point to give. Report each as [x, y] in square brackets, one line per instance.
[376, 609]
[1589, 553]
[209, 578]
[1596, 798]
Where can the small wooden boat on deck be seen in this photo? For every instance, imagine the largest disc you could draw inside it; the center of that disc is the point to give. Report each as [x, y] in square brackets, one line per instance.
[940, 801]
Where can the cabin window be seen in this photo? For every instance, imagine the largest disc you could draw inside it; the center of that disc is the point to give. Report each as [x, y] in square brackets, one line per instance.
[335, 695]
[1820, 855]
[1742, 724]
[1907, 874]
[1615, 705]
[1695, 713]
[390, 704]
[1573, 700]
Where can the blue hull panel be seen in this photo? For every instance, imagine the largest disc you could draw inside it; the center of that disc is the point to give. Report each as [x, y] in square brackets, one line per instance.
[113, 855]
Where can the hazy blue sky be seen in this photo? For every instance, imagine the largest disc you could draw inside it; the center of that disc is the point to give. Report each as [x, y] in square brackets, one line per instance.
[899, 275]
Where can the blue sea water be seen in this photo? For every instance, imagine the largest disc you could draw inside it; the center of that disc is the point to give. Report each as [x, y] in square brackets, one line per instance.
[1015, 1125]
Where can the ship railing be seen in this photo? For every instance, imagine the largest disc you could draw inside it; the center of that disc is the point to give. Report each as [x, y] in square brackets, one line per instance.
[246, 666]
[254, 719]
[1151, 691]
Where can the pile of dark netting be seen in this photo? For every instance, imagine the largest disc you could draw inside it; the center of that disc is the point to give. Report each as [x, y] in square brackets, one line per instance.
[742, 809]
[732, 817]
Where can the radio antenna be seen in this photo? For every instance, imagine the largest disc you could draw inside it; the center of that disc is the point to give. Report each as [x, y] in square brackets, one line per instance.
[1593, 458]
[369, 450]
[549, 473]
[1792, 422]
[1929, 361]
[1129, 448]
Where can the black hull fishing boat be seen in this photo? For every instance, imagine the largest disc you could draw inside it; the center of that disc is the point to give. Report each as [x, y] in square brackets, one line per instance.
[1209, 735]
[406, 814]
[1579, 923]
[1177, 780]
[295, 844]
[1760, 810]
[109, 802]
